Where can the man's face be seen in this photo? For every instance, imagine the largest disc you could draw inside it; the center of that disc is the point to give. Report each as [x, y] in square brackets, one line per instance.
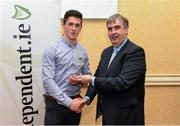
[72, 28]
[116, 32]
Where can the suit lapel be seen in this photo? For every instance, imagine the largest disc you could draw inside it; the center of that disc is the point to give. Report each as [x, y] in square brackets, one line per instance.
[107, 59]
[116, 58]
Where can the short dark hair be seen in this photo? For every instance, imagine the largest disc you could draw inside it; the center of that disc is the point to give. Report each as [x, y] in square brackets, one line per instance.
[72, 13]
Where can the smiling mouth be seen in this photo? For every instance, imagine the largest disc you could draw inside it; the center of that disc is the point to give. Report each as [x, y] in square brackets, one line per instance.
[73, 34]
[114, 37]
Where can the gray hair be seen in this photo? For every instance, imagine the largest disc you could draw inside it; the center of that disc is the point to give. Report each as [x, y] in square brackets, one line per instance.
[114, 17]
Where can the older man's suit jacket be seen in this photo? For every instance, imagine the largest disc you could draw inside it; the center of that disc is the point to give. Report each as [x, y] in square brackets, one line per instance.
[120, 87]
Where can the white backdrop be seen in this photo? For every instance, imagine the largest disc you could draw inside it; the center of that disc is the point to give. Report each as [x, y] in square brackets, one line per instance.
[27, 27]
[98, 9]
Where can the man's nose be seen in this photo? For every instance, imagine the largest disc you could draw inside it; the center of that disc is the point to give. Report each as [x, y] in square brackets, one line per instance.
[74, 27]
[113, 30]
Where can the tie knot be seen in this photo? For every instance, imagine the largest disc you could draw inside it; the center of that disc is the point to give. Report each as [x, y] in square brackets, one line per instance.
[115, 51]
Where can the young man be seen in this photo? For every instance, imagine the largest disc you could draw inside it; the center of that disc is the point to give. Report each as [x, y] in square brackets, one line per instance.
[64, 58]
[119, 78]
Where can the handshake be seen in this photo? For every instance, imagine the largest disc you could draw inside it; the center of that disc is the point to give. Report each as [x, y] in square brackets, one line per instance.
[83, 79]
[78, 104]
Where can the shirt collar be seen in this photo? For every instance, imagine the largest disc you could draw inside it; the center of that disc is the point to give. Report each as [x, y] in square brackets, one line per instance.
[66, 42]
[120, 46]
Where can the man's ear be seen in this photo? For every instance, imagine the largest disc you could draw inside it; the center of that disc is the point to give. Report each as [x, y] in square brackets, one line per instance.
[62, 23]
[126, 31]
